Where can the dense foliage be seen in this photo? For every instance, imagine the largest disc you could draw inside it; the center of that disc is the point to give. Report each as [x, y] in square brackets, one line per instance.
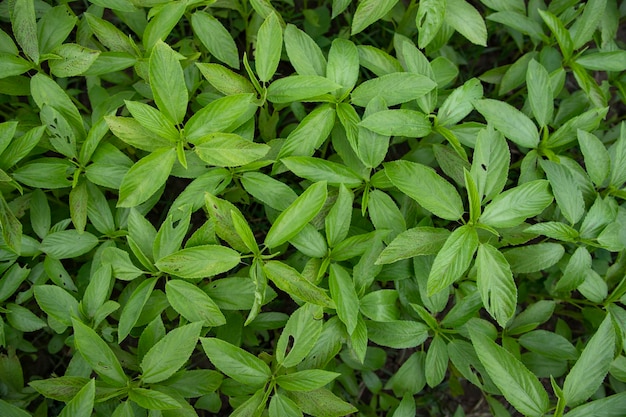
[326, 208]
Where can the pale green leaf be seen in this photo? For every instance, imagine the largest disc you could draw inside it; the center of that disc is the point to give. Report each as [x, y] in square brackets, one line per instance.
[146, 177]
[515, 205]
[514, 124]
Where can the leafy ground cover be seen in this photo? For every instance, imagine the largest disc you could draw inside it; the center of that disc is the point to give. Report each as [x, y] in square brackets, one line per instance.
[329, 208]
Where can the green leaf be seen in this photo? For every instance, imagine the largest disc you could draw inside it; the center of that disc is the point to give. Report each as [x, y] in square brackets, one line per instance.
[146, 177]
[540, 98]
[459, 103]
[45, 173]
[109, 35]
[304, 54]
[199, 261]
[11, 280]
[568, 196]
[378, 61]
[591, 368]
[152, 399]
[308, 380]
[224, 80]
[515, 205]
[235, 362]
[368, 12]
[514, 124]
[73, 60]
[414, 242]
[555, 230]
[222, 115]
[317, 170]
[148, 117]
[343, 65]
[282, 406]
[548, 344]
[603, 61]
[269, 45]
[244, 231]
[98, 354]
[299, 213]
[299, 88]
[228, 150]
[321, 403]
[425, 186]
[562, 35]
[520, 387]
[133, 307]
[23, 21]
[453, 259]
[79, 199]
[216, 38]
[337, 222]
[472, 195]
[495, 283]
[586, 24]
[466, 20]
[147, 130]
[380, 305]
[397, 334]
[11, 227]
[533, 258]
[344, 294]
[82, 403]
[293, 283]
[396, 88]
[68, 244]
[162, 23]
[611, 406]
[11, 65]
[170, 353]
[22, 319]
[10, 410]
[193, 304]
[310, 133]
[168, 82]
[401, 122]
[436, 361]
[299, 335]
[58, 304]
[597, 159]
[618, 159]
[429, 20]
